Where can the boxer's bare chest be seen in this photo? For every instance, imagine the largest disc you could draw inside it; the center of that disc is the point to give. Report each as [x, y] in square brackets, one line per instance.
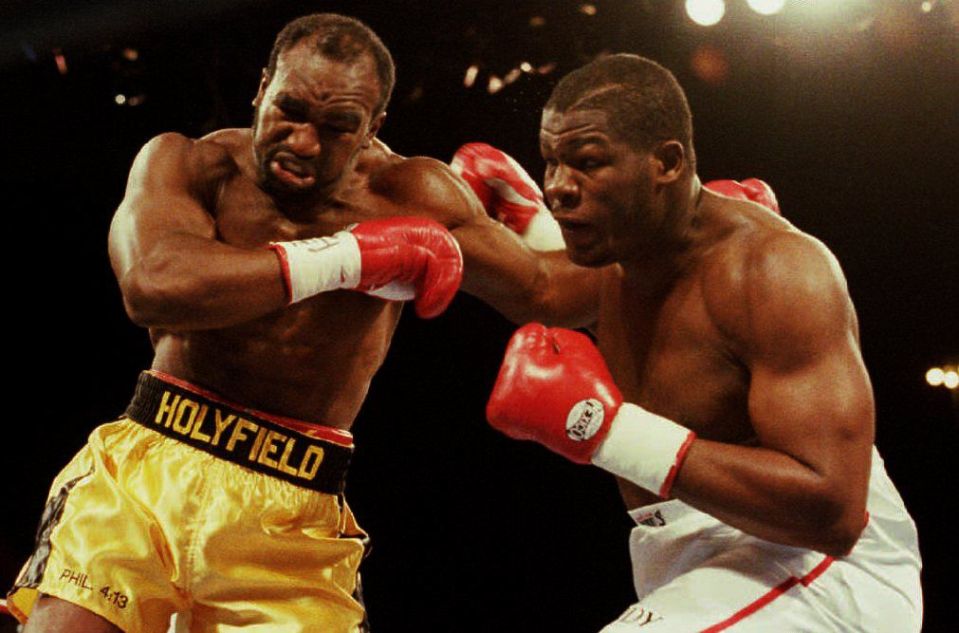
[667, 355]
[248, 217]
[313, 359]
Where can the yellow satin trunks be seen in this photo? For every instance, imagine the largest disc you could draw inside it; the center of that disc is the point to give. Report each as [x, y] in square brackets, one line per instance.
[140, 525]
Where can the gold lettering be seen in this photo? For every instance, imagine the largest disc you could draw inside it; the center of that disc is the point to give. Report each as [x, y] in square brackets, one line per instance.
[284, 466]
[167, 408]
[238, 434]
[221, 424]
[307, 468]
[256, 444]
[269, 447]
[184, 405]
[200, 417]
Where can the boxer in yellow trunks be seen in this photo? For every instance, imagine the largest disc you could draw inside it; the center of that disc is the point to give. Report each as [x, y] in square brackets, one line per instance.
[234, 526]
[269, 265]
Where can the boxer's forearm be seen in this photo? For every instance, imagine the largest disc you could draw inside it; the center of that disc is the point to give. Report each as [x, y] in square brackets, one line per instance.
[192, 283]
[526, 285]
[770, 495]
[551, 291]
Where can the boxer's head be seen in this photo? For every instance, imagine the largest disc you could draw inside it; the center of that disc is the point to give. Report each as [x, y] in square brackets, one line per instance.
[322, 98]
[616, 135]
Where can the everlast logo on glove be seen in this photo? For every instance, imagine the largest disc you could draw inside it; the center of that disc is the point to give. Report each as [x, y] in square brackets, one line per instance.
[584, 419]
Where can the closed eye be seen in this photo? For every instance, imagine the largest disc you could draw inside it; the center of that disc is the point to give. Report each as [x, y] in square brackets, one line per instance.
[341, 121]
[293, 110]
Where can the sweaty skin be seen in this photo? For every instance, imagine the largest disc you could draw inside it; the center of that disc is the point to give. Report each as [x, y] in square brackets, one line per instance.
[188, 244]
[726, 319]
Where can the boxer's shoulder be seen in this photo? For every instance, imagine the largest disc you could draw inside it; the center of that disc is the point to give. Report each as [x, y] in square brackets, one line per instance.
[194, 162]
[425, 186]
[769, 272]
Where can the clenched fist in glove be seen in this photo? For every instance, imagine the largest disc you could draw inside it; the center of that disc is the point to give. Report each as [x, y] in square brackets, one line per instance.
[397, 258]
[509, 194]
[554, 388]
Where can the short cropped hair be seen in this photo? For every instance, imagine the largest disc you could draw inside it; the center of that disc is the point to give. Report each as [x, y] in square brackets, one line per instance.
[342, 39]
[644, 102]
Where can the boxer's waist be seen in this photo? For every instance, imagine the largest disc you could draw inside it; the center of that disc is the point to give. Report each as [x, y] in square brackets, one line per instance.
[306, 455]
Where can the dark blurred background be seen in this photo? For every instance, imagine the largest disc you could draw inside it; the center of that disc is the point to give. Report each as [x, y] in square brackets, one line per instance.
[848, 108]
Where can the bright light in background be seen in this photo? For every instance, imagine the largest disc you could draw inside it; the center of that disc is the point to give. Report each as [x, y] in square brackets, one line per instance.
[766, 7]
[705, 12]
[61, 61]
[947, 377]
[470, 77]
[926, 7]
[935, 376]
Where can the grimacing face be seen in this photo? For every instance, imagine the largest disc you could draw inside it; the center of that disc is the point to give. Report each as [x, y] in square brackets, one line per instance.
[312, 118]
[598, 187]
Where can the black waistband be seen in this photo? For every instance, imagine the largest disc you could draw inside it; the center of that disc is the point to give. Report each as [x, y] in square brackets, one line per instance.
[239, 437]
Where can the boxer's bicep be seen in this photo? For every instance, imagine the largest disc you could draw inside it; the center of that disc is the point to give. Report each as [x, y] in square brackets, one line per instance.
[819, 413]
[173, 271]
[161, 199]
[809, 394]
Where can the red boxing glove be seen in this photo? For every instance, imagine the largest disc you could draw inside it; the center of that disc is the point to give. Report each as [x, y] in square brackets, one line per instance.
[507, 192]
[751, 189]
[404, 251]
[397, 258]
[554, 388]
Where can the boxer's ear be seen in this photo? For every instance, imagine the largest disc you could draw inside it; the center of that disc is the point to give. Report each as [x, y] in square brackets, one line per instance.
[264, 82]
[374, 128]
[669, 159]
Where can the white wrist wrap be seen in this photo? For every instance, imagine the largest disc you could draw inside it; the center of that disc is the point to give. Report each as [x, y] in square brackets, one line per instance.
[543, 232]
[319, 264]
[644, 448]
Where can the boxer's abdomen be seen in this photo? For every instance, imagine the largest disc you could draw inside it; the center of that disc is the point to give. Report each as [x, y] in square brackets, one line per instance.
[313, 361]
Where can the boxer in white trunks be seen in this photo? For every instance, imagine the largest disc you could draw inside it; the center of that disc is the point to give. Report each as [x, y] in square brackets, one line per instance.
[727, 391]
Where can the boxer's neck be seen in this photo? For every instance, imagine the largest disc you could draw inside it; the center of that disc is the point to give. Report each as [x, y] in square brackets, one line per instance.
[663, 259]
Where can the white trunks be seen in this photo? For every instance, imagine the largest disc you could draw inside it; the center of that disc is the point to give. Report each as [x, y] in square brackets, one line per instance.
[694, 573]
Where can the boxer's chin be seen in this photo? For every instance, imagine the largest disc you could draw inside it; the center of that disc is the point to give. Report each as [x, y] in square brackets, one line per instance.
[586, 253]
